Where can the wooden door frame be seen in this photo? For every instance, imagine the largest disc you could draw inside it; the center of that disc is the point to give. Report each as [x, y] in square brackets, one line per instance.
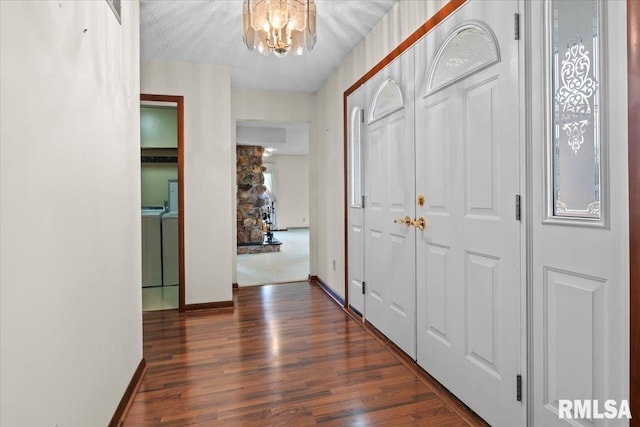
[633, 99]
[179, 101]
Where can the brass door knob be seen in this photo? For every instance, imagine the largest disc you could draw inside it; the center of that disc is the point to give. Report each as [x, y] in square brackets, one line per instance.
[420, 223]
[406, 221]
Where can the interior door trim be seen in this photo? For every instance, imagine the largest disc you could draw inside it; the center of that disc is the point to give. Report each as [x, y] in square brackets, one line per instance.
[179, 100]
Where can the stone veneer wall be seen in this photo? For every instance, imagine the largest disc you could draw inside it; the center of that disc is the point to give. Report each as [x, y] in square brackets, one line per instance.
[250, 179]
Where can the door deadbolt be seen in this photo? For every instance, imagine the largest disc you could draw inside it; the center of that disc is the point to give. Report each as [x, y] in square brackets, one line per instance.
[420, 200]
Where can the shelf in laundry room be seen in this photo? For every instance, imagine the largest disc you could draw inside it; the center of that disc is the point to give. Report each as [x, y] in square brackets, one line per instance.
[159, 155]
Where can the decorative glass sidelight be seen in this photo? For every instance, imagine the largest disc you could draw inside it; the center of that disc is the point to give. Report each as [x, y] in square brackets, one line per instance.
[575, 153]
[355, 157]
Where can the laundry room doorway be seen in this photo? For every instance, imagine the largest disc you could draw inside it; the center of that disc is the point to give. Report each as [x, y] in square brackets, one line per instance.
[162, 201]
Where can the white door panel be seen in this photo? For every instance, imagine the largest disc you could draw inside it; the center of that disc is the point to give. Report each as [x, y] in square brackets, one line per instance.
[356, 231]
[389, 190]
[468, 259]
[580, 269]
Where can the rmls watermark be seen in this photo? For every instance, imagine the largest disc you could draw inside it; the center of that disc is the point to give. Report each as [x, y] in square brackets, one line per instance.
[593, 409]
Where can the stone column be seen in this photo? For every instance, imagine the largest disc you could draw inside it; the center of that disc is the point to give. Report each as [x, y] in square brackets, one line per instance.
[250, 179]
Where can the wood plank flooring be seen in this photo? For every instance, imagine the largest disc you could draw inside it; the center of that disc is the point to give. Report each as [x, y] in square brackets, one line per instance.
[286, 356]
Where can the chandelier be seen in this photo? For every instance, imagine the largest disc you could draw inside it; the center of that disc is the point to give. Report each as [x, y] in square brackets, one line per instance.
[281, 26]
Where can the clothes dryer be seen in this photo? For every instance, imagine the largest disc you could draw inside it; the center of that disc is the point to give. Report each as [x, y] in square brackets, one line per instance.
[170, 263]
[151, 247]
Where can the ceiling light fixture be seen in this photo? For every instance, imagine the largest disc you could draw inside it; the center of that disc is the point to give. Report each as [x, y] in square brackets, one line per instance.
[281, 26]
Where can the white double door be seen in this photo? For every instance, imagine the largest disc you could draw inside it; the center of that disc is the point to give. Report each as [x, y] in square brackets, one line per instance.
[449, 295]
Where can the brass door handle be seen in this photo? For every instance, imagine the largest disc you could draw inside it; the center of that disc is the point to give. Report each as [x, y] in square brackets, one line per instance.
[420, 223]
[406, 221]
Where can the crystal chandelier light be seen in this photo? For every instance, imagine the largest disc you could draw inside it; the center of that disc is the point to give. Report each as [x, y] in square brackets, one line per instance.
[281, 26]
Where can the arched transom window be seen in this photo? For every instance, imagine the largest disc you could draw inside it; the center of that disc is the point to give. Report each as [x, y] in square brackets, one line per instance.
[387, 99]
[469, 48]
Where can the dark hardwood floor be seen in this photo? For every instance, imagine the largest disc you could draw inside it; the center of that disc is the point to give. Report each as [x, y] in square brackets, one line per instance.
[287, 355]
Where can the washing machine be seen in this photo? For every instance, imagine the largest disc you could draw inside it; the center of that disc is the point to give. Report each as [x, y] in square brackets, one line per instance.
[170, 260]
[152, 246]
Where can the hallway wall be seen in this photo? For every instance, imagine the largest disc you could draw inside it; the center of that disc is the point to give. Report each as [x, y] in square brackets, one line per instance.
[292, 183]
[70, 262]
[154, 182]
[328, 151]
[208, 148]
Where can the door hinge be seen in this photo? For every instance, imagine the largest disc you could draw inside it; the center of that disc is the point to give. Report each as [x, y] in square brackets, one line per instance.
[519, 388]
[516, 26]
[364, 287]
[362, 115]
[518, 209]
[362, 202]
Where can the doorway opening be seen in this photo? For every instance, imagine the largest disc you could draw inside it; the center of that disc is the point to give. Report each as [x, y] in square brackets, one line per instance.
[162, 201]
[272, 174]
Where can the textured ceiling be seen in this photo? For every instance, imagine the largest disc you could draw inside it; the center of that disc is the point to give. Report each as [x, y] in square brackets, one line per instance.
[210, 32]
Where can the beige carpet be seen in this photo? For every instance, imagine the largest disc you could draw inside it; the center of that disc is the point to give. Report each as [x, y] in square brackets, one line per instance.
[288, 265]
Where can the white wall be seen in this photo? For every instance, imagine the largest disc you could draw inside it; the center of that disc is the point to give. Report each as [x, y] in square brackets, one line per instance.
[292, 184]
[274, 106]
[208, 150]
[70, 263]
[327, 151]
[271, 106]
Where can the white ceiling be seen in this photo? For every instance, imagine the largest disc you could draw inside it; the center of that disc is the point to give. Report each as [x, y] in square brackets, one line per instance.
[210, 32]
